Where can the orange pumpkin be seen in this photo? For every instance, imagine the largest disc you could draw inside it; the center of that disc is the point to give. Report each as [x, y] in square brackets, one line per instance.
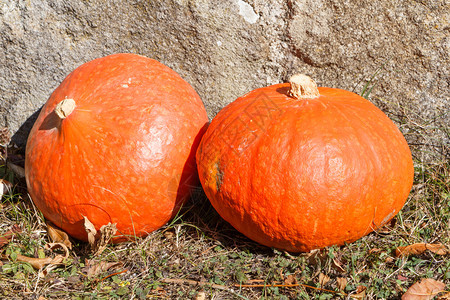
[297, 167]
[115, 142]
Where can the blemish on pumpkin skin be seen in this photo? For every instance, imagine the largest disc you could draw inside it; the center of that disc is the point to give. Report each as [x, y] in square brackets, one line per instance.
[316, 222]
[218, 175]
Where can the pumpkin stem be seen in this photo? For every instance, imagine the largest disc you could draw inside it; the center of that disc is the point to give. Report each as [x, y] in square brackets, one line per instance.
[64, 108]
[303, 87]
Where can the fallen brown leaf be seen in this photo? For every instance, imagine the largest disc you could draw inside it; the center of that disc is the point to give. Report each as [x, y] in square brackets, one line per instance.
[388, 260]
[337, 266]
[91, 231]
[290, 279]
[7, 236]
[419, 248]
[56, 235]
[200, 296]
[323, 279]
[438, 249]
[413, 249]
[360, 292]
[37, 263]
[375, 250]
[402, 278]
[57, 260]
[169, 234]
[54, 263]
[314, 257]
[254, 281]
[75, 279]
[53, 246]
[341, 283]
[427, 288]
[106, 233]
[94, 268]
[98, 241]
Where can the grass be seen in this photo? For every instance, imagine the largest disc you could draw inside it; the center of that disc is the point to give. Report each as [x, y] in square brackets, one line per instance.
[200, 256]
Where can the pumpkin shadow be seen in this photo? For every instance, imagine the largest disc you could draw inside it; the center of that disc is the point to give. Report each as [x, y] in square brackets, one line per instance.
[283, 90]
[20, 137]
[15, 152]
[17, 144]
[181, 185]
[51, 121]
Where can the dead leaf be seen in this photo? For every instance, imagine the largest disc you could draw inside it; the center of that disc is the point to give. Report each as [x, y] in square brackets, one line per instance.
[75, 279]
[413, 249]
[375, 250]
[58, 236]
[419, 248]
[337, 266]
[402, 278]
[200, 296]
[427, 288]
[169, 235]
[323, 279]
[252, 281]
[7, 236]
[438, 249]
[341, 283]
[290, 279]
[360, 292]
[94, 268]
[5, 187]
[52, 246]
[37, 263]
[56, 261]
[98, 241]
[314, 257]
[388, 260]
[106, 233]
[90, 230]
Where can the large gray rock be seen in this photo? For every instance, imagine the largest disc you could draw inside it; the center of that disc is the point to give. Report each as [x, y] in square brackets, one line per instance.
[227, 48]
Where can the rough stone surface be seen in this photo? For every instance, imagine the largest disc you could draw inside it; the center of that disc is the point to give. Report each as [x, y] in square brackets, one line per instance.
[224, 49]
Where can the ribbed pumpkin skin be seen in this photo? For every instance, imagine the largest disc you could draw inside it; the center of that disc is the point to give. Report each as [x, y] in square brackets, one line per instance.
[125, 155]
[304, 174]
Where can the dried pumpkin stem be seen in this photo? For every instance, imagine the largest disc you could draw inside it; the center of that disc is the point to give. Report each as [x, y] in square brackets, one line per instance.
[64, 108]
[303, 87]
